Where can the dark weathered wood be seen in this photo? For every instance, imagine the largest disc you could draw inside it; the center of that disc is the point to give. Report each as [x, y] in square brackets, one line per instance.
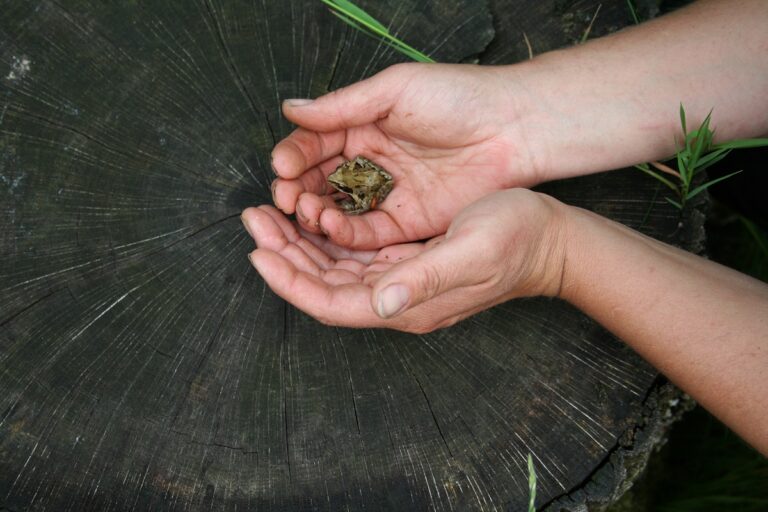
[531, 28]
[144, 364]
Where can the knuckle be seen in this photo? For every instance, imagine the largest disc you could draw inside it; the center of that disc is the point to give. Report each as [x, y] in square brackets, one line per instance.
[431, 281]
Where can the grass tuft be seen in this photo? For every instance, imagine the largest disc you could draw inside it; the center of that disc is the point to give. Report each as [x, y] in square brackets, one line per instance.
[697, 154]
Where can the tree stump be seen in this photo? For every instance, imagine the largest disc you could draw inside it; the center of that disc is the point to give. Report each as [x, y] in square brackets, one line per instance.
[145, 366]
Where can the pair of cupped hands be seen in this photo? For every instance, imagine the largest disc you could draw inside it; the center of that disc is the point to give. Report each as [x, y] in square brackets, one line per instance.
[457, 234]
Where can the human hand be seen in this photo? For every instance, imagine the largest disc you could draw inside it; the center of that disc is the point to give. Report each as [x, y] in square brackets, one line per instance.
[446, 133]
[509, 244]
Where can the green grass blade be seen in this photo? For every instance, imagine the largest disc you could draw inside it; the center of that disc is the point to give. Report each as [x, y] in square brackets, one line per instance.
[409, 52]
[356, 13]
[585, 36]
[682, 120]
[349, 21]
[708, 184]
[531, 485]
[717, 155]
[413, 53]
[659, 177]
[361, 20]
[743, 143]
[674, 203]
[633, 12]
[711, 159]
[682, 168]
[703, 136]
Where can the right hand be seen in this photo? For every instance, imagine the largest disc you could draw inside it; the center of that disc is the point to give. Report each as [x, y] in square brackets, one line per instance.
[448, 134]
[508, 244]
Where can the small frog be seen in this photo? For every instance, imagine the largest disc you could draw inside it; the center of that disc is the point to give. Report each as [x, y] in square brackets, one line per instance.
[366, 183]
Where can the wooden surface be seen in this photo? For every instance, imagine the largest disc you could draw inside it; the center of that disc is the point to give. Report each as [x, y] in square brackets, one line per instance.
[145, 365]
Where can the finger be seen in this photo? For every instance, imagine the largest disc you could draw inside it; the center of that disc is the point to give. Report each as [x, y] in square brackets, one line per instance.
[291, 236]
[337, 277]
[271, 230]
[446, 266]
[303, 149]
[309, 208]
[286, 192]
[360, 103]
[265, 229]
[352, 266]
[388, 257]
[337, 252]
[344, 304]
[371, 230]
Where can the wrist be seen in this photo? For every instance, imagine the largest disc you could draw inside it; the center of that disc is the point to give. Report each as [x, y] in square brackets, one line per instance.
[586, 236]
[575, 114]
[543, 266]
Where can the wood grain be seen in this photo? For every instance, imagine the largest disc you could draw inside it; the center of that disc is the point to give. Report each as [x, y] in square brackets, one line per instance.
[145, 366]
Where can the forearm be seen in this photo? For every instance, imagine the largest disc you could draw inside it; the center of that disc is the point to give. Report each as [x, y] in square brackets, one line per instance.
[614, 101]
[701, 324]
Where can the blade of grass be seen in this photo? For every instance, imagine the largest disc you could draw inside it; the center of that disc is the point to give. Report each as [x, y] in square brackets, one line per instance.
[674, 203]
[660, 178]
[702, 138]
[531, 485]
[361, 20]
[352, 10]
[708, 184]
[682, 168]
[712, 158]
[633, 12]
[650, 208]
[665, 169]
[682, 120]
[742, 144]
[591, 23]
[386, 39]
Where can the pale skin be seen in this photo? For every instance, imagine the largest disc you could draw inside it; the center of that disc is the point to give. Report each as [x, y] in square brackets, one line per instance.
[459, 140]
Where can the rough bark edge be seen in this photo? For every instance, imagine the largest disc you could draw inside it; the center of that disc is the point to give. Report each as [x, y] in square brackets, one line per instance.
[664, 406]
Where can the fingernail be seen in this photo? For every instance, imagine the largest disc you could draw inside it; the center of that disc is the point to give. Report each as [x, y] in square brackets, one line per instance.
[300, 214]
[253, 263]
[272, 188]
[247, 228]
[392, 300]
[299, 102]
[272, 164]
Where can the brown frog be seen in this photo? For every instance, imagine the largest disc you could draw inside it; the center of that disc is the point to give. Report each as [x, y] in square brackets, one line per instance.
[365, 183]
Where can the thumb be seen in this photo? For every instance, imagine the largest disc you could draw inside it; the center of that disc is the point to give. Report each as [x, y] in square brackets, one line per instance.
[411, 282]
[357, 104]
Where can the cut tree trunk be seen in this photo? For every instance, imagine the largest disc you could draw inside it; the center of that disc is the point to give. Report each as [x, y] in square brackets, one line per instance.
[144, 365]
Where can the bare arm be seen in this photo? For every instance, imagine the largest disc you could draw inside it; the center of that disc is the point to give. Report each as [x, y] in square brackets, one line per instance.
[703, 325]
[614, 101]
[464, 131]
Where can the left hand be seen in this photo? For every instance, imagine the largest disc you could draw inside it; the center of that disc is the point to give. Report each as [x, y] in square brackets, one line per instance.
[506, 245]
